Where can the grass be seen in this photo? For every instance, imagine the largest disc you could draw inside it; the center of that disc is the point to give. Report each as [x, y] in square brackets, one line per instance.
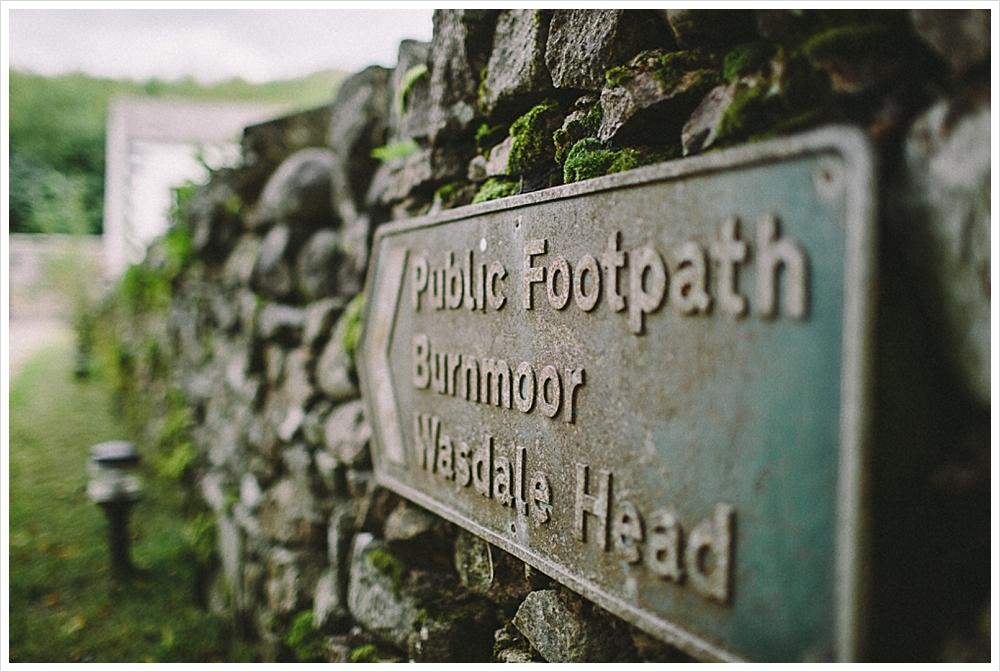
[63, 605]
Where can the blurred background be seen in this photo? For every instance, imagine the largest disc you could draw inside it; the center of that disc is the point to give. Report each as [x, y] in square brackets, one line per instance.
[112, 114]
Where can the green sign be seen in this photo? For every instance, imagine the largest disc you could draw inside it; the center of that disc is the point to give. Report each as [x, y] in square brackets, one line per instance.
[650, 386]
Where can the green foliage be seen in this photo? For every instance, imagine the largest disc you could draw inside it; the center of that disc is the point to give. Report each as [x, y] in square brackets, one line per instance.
[144, 289]
[410, 78]
[304, 640]
[368, 653]
[494, 188]
[396, 151]
[532, 133]
[200, 535]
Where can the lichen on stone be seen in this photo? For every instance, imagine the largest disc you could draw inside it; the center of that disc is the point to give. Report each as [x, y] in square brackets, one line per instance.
[532, 133]
[667, 67]
[494, 188]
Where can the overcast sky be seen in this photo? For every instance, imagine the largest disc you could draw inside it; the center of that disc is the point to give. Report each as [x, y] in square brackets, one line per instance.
[209, 44]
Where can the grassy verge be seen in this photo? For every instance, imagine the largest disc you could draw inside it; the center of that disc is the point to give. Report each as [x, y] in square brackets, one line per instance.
[63, 605]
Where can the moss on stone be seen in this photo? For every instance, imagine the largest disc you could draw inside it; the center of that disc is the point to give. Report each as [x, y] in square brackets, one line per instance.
[388, 565]
[448, 192]
[494, 188]
[667, 67]
[367, 653]
[532, 133]
[410, 79]
[587, 159]
[352, 327]
[576, 129]
[636, 157]
[851, 42]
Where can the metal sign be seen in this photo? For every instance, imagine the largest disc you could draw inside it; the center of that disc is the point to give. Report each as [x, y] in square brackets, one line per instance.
[650, 386]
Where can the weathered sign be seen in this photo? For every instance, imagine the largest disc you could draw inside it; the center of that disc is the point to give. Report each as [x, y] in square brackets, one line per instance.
[651, 387]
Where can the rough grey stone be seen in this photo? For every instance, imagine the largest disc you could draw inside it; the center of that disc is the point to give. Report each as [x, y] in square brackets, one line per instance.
[291, 579]
[213, 492]
[409, 112]
[333, 372]
[499, 156]
[323, 268]
[231, 549]
[298, 193]
[711, 28]
[251, 496]
[297, 388]
[700, 131]
[516, 73]
[489, 571]
[584, 43]
[961, 36]
[213, 215]
[279, 322]
[347, 434]
[297, 461]
[412, 534]
[273, 275]
[314, 424]
[329, 603]
[289, 515]
[944, 222]
[642, 109]
[320, 318]
[555, 626]
[326, 468]
[372, 598]
[241, 261]
[459, 51]
[274, 363]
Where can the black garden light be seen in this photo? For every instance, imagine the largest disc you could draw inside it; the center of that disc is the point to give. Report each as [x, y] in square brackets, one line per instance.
[115, 486]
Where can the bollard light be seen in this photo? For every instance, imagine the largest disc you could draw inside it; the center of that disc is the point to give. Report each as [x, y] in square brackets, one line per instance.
[116, 487]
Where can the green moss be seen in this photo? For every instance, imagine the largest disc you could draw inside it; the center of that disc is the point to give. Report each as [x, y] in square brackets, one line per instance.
[448, 192]
[745, 115]
[668, 68]
[397, 150]
[532, 133]
[587, 159]
[482, 132]
[576, 129]
[636, 157]
[481, 91]
[410, 78]
[387, 565]
[352, 327]
[851, 41]
[368, 653]
[304, 640]
[747, 59]
[494, 188]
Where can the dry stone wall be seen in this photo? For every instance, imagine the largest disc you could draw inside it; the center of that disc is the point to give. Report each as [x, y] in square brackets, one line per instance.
[319, 561]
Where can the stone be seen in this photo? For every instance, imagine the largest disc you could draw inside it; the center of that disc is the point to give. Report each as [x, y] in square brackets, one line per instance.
[489, 571]
[231, 547]
[314, 424]
[649, 107]
[251, 496]
[289, 515]
[347, 434]
[281, 323]
[560, 629]
[273, 275]
[584, 43]
[459, 51]
[333, 372]
[291, 579]
[496, 164]
[408, 116]
[516, 74]
[702, 127]
[321, 315]
[274, 363]
[297, 461]
[374, 597]
[267, 144]
[714, 29]
[943, 223]
[213, 216]
[298, 193]
[213, 491]
[418, 537]
[241, 261]
[322, 268]
[960, 36]
[582, 122]
[329, 603]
